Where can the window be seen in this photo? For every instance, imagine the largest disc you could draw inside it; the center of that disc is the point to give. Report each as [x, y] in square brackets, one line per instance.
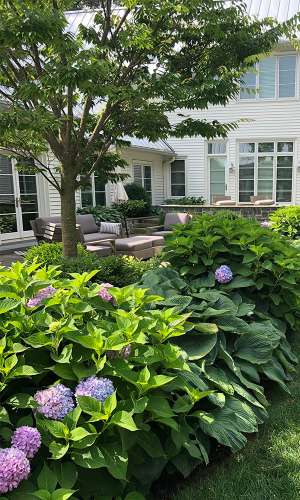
[142, 175]
[266, 169]
[93, 193]
[272, 78]
[178, 178]
[217, 161]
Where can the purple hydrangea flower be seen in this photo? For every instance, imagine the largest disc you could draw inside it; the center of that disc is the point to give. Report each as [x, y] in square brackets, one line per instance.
[223, 274]
[104, 294]
[55, 402]
[265, 223]
[122, 353]
[98, 388]
[14, 468]
[26, 439]
[44, 293]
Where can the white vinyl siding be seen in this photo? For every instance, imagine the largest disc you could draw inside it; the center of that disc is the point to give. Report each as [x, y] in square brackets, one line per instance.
[272, 78]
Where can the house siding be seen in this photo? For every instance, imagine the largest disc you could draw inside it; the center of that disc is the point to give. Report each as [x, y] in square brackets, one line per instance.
[258, 120]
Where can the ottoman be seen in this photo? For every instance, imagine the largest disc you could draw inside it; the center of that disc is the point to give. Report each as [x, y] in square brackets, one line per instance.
[142, 247]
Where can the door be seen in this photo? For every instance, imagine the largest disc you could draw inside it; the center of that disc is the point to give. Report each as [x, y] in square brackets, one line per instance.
[18, 201]
[217, 169]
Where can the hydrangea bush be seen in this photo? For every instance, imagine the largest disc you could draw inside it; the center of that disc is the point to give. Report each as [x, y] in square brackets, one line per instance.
[92, 404]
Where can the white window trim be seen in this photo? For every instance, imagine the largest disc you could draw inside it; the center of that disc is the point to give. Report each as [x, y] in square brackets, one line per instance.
[208, 156]
[256, 155]
[180, 158]
[143, 164]
[255, 97]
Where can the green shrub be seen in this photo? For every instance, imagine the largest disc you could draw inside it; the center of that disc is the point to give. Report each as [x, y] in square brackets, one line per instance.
[102, 214]
[117, 270]
[98, 450]
[134, 208]
[286, 221]
[136, 192]
[266, 268]
[186, 200]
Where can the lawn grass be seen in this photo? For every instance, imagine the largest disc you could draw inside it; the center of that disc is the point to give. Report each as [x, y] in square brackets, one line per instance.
[268, 468]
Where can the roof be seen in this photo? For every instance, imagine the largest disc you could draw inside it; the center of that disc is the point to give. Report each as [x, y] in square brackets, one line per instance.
[158, 146]
[281, 10]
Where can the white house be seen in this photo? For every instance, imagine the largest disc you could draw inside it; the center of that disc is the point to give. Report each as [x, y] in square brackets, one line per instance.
[261, 157]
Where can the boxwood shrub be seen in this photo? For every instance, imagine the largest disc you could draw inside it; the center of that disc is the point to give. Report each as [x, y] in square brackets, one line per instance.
[117, 270]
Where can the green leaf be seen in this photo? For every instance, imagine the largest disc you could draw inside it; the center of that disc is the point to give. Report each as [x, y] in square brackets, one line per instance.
[62, 494]
[8, 304]
[110, 404]
[4, 417]
[22, 401]
[78, 434]
[151, 444]
[92, 458]
[116, 460]
[135, 495]
[89, 405]
[206, 328]
[239, 282]
[123, 419]
[23, 371]
[58, 450]
[42, 494]
[56, 428]
[47, 479]
[197, 346]
[66, 474]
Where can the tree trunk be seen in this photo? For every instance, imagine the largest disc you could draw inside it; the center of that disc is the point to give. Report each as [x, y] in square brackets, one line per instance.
[68, 212]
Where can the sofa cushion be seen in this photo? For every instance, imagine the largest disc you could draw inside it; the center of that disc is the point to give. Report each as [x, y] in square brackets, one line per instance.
[87, 223]
[225, 203]
[175, 218]
[111, 227]
[162, 233]
[133, 243]
[99, 250]
[89, 238]
[264, 202]
[155, 240]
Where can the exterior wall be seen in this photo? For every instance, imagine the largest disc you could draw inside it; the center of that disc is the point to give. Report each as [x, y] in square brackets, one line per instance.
[158, 164]
[267, 119]
[251, 212]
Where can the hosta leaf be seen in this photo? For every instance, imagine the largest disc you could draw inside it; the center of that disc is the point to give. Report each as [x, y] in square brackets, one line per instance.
[274, 371]
[258, 345]
[197, 346]
[233, 324]
[239, 282]
[207, 328]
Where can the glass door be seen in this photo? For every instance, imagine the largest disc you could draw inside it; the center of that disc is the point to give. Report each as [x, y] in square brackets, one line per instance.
[18, 201]
[9, 223]
[217, 176]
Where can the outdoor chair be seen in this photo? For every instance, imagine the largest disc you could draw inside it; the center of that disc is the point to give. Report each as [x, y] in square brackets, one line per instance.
[104, 248]
[91, 232]
[171, 218]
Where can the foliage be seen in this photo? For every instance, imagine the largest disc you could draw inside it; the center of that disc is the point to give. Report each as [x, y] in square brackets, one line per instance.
[7, 224]
[52, 79]
[102, 214]
[286, 221]
[104, 449]
[134, 208]
[186, 200]
[118, 270]
[266, 268]
[136, 192]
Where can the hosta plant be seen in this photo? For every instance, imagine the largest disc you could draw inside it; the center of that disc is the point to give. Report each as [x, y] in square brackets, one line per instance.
[265, 267]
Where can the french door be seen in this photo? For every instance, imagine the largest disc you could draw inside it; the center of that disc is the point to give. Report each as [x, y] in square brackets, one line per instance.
[18, 201]
[217, 170]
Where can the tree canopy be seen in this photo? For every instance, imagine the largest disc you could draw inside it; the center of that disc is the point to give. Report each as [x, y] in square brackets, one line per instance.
[79, 92]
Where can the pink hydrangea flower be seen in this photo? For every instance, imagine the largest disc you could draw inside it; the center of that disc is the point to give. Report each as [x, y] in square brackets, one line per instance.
[104, 294]
[223, 274]
[14, 468]
[96, 387]
[55, 402]
[26, 439]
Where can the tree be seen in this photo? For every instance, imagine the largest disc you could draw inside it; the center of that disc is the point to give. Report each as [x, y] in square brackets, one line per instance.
[78, 94]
